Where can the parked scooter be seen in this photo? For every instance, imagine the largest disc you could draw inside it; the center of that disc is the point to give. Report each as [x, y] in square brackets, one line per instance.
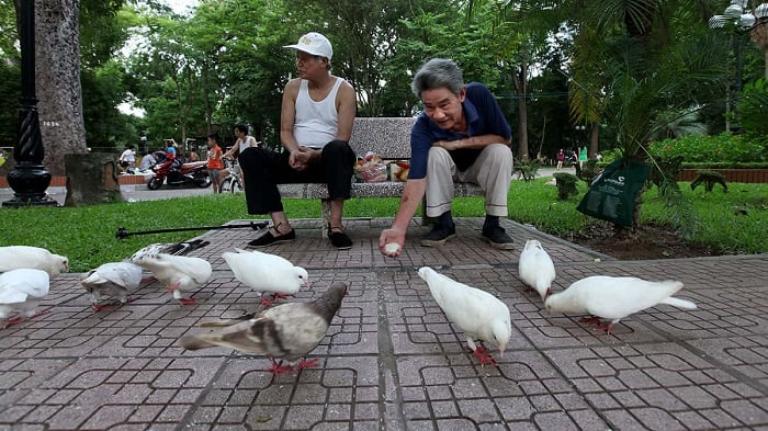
[169, 171]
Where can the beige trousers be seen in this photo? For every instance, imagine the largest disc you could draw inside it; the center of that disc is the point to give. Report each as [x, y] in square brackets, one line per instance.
[492, 171]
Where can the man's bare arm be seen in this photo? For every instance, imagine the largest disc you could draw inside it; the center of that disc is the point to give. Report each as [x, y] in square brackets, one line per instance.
[288, 115]
[346, 107]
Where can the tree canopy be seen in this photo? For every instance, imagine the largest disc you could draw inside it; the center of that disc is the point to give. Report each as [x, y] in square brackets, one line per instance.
[629, 70]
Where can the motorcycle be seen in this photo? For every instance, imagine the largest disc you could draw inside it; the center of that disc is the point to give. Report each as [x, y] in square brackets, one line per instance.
[169, 171]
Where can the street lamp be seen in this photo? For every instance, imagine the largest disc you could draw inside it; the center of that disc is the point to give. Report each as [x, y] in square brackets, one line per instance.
[739, 19]
[29, 179]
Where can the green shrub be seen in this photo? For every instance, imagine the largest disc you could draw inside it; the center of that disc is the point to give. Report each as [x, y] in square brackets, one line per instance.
[527, 169]
[720, 148]
[753, 107]
[566, 185]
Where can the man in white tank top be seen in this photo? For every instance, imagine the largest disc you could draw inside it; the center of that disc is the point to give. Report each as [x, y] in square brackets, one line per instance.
[315, 126]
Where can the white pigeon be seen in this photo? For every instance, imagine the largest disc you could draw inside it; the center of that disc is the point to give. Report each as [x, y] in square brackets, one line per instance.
[22, 256]
[614, 298]
[264, 272]
[478, 313]
[288, 331]
[179, 273]
[536, 268]
[21, 291]
[113, 280]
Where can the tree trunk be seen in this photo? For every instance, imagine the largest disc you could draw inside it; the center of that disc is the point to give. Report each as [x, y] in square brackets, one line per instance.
[92, 179]
[594, 141]
[57, 55]
[521, 84]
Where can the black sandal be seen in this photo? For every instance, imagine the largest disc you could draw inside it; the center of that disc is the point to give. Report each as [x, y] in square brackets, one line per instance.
[339, 239]
[269, 238]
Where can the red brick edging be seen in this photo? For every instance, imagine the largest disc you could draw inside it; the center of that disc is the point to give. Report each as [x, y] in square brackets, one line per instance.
[731, 175]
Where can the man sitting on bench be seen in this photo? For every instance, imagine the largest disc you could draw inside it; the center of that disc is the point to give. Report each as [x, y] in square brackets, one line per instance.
[461, 135]
[315, 126]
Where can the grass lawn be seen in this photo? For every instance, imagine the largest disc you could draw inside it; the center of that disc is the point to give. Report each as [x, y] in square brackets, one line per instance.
[86, 234]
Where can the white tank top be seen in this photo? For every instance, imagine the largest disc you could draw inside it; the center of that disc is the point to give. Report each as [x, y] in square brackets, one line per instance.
[315, 123]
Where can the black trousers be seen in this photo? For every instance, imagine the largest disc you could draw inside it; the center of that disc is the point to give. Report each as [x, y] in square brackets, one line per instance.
[264, 169]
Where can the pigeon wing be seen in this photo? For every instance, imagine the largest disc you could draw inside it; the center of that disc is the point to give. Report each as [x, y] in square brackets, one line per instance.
[619, 297]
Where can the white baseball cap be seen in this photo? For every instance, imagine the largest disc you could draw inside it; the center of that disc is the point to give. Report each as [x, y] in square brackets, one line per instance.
[315, 44]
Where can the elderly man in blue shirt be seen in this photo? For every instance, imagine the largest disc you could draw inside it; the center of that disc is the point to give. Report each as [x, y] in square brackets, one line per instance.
[461, 135]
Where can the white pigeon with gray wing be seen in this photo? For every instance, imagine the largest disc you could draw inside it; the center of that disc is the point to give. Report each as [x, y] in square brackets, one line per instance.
[266, 273]
[172, 248]
[179, 273]
[479, 314]
[21, 291]
[22, 256]
[288, 331]
[112, 280]
[536, 268]
[615, 298]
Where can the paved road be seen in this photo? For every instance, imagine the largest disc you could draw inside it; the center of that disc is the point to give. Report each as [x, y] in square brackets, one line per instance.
[391, 361]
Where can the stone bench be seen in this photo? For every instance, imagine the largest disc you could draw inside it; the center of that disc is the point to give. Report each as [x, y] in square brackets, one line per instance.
[390, 138]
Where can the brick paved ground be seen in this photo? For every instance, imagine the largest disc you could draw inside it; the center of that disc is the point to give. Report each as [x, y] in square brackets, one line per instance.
[391, 361]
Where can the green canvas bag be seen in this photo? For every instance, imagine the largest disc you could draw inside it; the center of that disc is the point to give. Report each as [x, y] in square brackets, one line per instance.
[611, 196]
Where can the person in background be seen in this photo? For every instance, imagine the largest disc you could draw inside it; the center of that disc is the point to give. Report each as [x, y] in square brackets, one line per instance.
[582, 156]
[147, 162]
[560, 159]
[244, 141]
[215, 162]
[128, 158]
[193, 157]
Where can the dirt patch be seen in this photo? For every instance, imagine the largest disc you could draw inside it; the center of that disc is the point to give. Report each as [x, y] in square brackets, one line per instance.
[650, 242]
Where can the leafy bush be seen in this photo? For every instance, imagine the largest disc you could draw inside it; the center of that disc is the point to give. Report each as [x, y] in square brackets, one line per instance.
[753, 107]
[566, 185]
[720, 148]
[528, 170]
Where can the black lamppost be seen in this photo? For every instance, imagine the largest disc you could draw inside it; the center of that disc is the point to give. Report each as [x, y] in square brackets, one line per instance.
[29, 179]
[740, 20]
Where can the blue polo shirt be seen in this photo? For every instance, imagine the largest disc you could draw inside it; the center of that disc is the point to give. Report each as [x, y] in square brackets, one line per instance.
[484, 117]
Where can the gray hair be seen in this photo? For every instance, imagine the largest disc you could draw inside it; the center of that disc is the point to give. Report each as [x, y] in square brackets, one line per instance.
[437, 73]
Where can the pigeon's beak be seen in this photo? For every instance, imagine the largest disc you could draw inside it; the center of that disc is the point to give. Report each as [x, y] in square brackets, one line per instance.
[307, 284]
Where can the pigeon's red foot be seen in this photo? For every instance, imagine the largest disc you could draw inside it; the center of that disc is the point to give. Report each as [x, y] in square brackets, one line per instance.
[266, 302]
[308, 363]
[13, 321]
[101, 307]
[276, 296]
[484, 356]
[591, 320]
[188, 301]
[278, 368]
[607, 327]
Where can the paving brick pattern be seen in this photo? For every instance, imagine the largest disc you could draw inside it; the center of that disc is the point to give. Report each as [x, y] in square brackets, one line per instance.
[391, 360]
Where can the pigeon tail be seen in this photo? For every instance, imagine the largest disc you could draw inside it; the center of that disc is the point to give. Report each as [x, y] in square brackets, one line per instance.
[680, 303]
[192, 342]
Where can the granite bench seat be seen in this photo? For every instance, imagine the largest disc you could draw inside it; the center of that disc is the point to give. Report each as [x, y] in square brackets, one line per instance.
[390, 138]
[382, 189]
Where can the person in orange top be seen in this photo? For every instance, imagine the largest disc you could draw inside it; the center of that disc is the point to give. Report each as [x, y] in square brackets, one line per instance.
[215, 162]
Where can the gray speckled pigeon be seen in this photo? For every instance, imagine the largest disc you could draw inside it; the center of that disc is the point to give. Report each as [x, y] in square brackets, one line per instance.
[288, 331]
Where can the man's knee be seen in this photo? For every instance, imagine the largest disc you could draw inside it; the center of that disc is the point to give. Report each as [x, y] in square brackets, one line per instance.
[500, 154]
[337, 147]
[438, 156]
[253, 157]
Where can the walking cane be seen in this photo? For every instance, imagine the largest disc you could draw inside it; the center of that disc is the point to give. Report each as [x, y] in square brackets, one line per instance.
[123, 233]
